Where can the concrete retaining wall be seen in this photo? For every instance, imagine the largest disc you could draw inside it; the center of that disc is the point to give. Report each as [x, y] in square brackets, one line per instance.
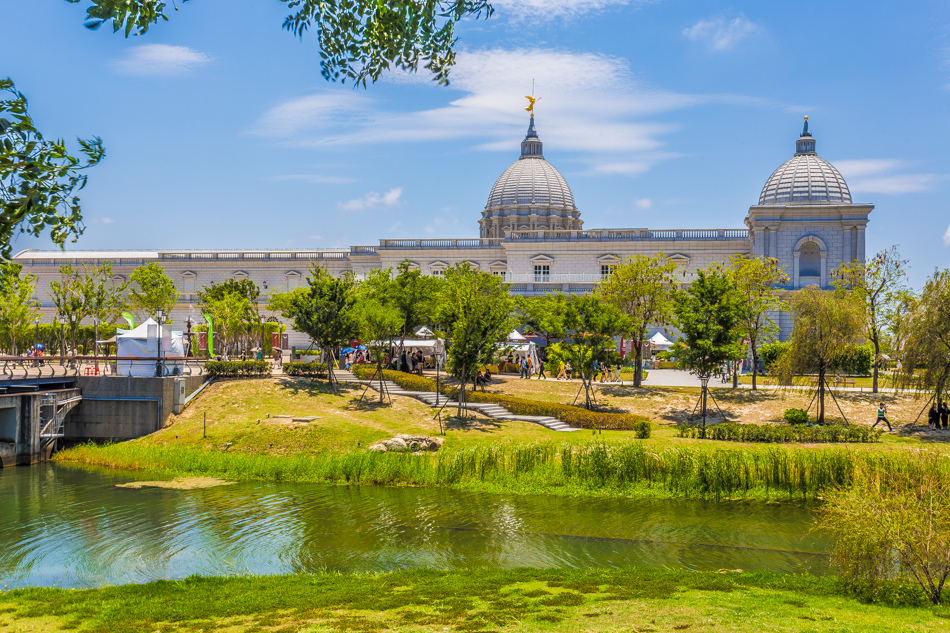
[122, 408]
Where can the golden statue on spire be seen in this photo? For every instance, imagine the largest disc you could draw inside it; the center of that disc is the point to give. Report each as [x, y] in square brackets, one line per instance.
[531, 101]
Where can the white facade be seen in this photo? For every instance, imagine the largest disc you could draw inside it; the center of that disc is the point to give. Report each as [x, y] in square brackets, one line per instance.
[804, 218]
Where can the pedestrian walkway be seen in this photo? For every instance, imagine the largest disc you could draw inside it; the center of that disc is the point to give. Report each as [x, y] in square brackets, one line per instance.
[487, 409]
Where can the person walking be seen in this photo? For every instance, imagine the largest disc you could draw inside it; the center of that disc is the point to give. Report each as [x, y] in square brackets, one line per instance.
[944, 414]
[541, 375]
[561, 371]
[569, 370]
[882, 415]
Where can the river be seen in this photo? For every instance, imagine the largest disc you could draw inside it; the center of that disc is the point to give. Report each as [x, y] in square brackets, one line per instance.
[70, 527]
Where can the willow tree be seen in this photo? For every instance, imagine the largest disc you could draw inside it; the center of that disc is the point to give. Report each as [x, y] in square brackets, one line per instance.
[877, 286]
[475, 310]
[927, 344]
[641, 288]
[827, 323]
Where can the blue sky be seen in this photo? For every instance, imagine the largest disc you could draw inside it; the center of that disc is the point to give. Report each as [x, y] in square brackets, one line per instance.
[220, 132]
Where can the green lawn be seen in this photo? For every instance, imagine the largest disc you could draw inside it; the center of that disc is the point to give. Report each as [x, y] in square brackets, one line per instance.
[472, 600]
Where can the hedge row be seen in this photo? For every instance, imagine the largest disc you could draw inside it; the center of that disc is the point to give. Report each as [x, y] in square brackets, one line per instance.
[238, 368]
[575, 416]
[782, 434]
[306, 370]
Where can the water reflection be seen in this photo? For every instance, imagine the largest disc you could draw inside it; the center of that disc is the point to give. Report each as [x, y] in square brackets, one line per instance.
[68, 527]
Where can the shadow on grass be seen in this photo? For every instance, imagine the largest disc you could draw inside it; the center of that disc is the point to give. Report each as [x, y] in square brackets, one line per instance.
[317, 387]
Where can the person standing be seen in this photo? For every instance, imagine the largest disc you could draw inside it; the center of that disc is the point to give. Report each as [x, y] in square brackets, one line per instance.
[933, 416]
[882, 416]
[944, 414]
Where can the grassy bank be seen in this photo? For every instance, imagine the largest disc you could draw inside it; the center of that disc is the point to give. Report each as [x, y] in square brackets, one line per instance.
[590, 468]
[469, 600]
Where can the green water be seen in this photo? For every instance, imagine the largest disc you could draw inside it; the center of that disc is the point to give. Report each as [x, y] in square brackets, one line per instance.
[69, 527]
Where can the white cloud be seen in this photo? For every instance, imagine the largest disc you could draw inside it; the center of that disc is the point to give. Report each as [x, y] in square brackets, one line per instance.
[894, 185]
[721, 34]
[866, 166]
[876, 175]
[552, 8]
[106, 220]
[590, 103]
[373, 199]
[160, 59]
[946, 237]
[320, 179]
[644, 203]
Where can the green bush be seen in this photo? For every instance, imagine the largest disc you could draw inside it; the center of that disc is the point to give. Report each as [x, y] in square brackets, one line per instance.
[767, 433]
[306, 370]
[770, 353]
[796, 416]
[575, 416]
[238, 368]
[856, 360]
[642, 429]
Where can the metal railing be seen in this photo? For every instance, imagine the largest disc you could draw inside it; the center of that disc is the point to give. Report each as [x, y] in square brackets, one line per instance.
[28, 367]
[254, 256]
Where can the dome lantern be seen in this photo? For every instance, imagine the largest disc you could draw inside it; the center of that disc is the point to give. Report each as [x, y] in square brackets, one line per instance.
[805, 143]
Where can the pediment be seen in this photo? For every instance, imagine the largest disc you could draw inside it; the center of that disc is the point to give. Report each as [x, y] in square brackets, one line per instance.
[541, 258]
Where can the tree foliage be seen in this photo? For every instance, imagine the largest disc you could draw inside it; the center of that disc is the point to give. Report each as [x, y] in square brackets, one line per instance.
[154, 290]
[927, 343]
[642, 289]
[39, 179]
[19, 311]
[378, 325]
[587, 327]
[827, 323]
[755, 280]
[475, 310]
[876, 285]
[708, 313]
[324, 311]
[359, 39]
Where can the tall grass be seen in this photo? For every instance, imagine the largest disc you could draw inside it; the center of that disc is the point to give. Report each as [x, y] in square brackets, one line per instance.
[587, 469]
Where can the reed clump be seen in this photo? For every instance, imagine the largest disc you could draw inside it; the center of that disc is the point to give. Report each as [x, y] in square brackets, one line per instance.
[593, 468]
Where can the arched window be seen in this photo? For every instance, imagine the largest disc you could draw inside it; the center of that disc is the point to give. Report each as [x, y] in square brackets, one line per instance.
[809, 260]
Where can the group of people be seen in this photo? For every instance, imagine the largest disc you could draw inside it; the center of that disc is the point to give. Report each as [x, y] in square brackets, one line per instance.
[939, 415]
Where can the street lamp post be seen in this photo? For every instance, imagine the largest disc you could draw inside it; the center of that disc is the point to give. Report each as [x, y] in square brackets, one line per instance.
[159, 369]
[189, 322]
[72, 328]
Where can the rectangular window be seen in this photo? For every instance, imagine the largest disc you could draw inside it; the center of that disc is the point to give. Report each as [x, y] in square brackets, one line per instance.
[188, 284]
[500, 273]
[438, 273]
[605, 270]
[542, 273]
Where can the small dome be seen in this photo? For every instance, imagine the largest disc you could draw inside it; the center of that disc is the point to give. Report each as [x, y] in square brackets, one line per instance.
[805, 178]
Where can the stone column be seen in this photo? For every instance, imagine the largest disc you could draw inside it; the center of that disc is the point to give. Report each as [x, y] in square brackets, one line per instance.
[795, 269]
[824, 269]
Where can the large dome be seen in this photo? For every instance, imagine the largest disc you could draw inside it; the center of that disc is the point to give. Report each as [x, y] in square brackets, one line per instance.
[530, 195]
[531, 181]
[805, 178]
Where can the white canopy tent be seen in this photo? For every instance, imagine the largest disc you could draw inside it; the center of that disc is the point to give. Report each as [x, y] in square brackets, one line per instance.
[424, 333]
[521, 350]
[660, 343]
[516, 336]
[142, 342]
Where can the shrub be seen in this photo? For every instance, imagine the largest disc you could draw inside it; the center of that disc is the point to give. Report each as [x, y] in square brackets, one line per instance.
[575, 416]
[796, 416]
[770, 353]
[767, 433]
[857, 359]
[891, 527]
[306, 370]
[238, 368]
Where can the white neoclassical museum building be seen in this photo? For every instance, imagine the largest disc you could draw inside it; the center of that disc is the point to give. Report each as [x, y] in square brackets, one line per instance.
[531, 233]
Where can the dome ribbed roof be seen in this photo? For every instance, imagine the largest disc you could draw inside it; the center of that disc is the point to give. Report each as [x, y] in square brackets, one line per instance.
[531, 180]
[805, 178]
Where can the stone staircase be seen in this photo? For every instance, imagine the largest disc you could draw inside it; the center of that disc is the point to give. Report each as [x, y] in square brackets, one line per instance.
[487, 409]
